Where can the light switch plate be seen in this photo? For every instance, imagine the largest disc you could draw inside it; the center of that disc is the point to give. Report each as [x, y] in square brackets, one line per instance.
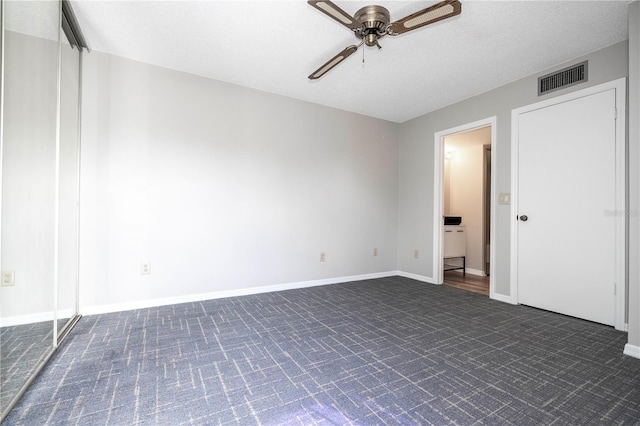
[504, 198]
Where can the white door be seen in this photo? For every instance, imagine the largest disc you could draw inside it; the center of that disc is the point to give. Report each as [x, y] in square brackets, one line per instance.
[566, 199]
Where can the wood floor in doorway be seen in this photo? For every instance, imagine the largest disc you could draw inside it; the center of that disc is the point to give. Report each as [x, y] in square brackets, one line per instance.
[475, 283]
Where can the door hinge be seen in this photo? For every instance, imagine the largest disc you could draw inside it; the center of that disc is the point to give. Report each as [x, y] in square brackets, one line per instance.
[615, 114]
[615, 289]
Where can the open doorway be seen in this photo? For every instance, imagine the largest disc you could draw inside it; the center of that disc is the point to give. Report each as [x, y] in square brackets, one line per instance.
[465, 190]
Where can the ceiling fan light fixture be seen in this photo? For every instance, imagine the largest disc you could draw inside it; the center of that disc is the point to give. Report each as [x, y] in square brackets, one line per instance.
[371, 40]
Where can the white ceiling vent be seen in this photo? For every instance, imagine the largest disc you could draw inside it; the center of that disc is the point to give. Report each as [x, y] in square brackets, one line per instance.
[574, 74]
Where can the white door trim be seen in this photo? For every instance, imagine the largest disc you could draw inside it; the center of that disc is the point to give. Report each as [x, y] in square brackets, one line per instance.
[620, 212]
[438, 196]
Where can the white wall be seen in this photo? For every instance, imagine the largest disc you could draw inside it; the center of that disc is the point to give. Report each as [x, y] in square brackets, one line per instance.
[224, 188]
[416, 160]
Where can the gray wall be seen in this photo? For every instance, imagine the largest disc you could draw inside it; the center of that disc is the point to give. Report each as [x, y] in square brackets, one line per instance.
[416, 179]
[222, 188]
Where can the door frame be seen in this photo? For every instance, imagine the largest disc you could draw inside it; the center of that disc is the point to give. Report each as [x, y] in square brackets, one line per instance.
[438, 197]
[619, 286]
[487, 169]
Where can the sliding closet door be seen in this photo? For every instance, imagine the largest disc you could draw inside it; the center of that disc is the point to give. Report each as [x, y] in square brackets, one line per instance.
[68, 185]
[27, 221]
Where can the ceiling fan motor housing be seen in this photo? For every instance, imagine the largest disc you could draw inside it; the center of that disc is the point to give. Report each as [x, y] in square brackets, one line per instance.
[374, 20]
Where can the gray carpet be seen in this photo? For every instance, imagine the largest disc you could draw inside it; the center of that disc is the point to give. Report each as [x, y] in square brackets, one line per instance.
[386, 351]
[22, 349]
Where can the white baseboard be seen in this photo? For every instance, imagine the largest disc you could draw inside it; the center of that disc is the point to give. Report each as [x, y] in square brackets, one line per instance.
[494, 296]
[502, 298]
[632, 350]
[150, 303]
[417, 277]
[475, 272]
[26, 319]
[33, 318]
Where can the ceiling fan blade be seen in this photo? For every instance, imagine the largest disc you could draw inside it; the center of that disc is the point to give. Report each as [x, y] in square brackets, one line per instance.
[333, 62]
[443, 10]
[329, 8]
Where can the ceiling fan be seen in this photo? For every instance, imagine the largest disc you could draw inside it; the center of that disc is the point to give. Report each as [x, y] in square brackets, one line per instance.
[371, 23]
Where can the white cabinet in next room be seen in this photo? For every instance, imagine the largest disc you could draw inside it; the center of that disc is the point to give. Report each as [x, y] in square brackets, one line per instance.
[454, 241]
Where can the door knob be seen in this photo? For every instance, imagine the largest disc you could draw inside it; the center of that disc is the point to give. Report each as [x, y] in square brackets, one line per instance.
[524, 218]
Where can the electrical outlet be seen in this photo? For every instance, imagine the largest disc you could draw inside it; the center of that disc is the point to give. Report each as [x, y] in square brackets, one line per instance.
[323, 257]
[416, 254]
[8, 278]
[145, 268]
[375, 251]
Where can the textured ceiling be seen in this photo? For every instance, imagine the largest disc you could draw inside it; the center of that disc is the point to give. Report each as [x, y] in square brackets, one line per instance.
[274, 45]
